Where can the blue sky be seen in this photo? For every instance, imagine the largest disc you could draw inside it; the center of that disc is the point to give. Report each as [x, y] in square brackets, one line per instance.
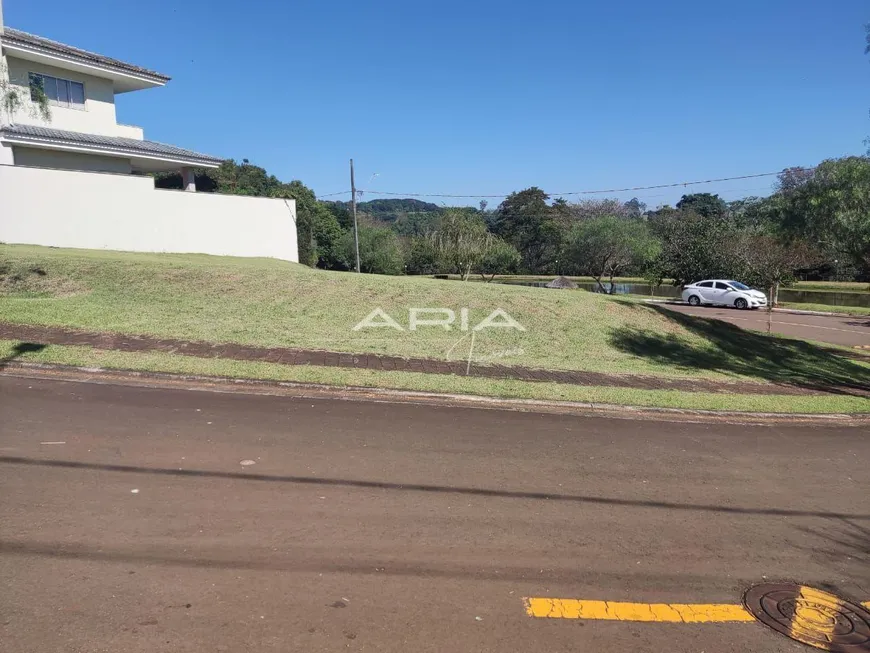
[484, 97]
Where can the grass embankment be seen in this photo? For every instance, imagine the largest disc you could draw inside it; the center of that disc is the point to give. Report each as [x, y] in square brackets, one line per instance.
[272, 303]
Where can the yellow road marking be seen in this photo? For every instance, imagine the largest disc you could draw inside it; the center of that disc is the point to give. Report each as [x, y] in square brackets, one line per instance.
[616, 611]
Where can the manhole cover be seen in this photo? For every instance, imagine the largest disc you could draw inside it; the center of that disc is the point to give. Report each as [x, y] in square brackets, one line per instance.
[811, 616]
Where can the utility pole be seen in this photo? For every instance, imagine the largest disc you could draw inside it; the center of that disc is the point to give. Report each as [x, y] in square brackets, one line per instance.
[353, 209]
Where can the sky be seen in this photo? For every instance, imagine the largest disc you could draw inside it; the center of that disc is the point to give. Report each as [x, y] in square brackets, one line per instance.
[478, 97]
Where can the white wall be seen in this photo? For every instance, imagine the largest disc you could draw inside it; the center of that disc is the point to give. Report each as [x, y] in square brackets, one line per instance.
[32, 156]
[62, 208]
[98, 116]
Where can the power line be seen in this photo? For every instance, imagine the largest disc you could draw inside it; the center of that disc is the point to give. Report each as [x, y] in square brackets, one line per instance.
[586, 192]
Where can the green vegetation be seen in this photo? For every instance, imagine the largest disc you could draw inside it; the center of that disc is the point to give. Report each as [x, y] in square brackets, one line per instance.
[604, 246]
[272, 303]
[391, 210]
[161, 362]
[834, 286]
[814, 225]
[827, 308]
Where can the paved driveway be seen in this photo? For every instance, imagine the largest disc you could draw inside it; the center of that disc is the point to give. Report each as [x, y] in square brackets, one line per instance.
[849, 331]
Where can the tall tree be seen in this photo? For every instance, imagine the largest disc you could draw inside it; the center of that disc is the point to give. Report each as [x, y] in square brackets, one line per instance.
[635, 207]
[526, 221]
[833, 207]
[598, 208]
[704, 204]
[379, 249]
[793, 178]
[607, 245]
[692, 245]
[461, 240]
[770, 262]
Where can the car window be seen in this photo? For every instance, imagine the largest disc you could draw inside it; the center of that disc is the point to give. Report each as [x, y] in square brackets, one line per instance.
[705, 284]
[721, 286]
[738, 285]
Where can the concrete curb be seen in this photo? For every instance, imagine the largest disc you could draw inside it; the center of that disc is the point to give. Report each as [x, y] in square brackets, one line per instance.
[165, 380]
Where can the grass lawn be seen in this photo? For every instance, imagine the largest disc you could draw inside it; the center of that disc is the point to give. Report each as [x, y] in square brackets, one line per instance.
[161, 362]
[836, 286]
[272, 303]
[850, 310]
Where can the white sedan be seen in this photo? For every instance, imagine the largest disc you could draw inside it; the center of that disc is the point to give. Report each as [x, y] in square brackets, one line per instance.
[723, 293]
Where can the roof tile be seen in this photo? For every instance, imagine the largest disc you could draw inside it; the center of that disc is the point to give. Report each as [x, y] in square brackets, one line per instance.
[116, 142]
[24, 38]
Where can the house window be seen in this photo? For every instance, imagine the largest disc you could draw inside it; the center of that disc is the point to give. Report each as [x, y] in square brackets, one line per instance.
[60, 92]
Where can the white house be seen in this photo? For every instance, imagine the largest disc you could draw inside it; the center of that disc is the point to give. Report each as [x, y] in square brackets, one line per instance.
[80, 178]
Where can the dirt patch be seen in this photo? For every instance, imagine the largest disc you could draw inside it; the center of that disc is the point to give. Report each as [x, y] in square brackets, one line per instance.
[294, 356]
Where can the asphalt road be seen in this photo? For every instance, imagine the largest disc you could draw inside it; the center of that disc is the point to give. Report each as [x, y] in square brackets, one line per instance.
[837, 330]
[128, 522]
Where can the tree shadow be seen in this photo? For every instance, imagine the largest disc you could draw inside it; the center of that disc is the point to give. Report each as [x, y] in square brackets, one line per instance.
[19, 350]
[745, 353]
[846, 543]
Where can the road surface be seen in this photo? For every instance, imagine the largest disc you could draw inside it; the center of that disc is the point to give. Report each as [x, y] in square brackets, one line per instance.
[132, 519]
[838, 330]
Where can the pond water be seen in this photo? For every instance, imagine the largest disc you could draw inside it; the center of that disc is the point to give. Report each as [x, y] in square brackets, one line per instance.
[829, 298]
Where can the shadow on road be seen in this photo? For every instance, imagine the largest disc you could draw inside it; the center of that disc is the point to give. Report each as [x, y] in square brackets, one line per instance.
[845, 541]
[412, 487]
[745, 353]
[19, 350]
[323, 560]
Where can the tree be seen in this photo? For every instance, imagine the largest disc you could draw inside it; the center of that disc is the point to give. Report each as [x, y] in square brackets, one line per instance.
[833, 208]
[597, 208]
[752, 213]
[704, 204]
[422, 256]
[770, 262]
[317, 230]
[692, 245]
[461, 241]
[607, 245]
[635, 208]
[498, 258]
[792, 178]
[379, 250]
[527, 222]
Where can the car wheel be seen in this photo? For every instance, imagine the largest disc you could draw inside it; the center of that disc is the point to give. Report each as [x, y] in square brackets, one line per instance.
[694, 300]
[741, 303]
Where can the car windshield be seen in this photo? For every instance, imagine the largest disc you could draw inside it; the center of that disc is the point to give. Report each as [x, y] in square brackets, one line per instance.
[739, 286]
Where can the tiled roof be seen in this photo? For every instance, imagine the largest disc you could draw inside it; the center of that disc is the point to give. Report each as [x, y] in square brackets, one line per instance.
[15, 36]
[131, 145]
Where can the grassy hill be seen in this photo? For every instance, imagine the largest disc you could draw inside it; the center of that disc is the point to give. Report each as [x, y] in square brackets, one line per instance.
[273, 303]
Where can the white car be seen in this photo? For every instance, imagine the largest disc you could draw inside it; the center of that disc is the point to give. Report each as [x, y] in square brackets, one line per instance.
[719, 292]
